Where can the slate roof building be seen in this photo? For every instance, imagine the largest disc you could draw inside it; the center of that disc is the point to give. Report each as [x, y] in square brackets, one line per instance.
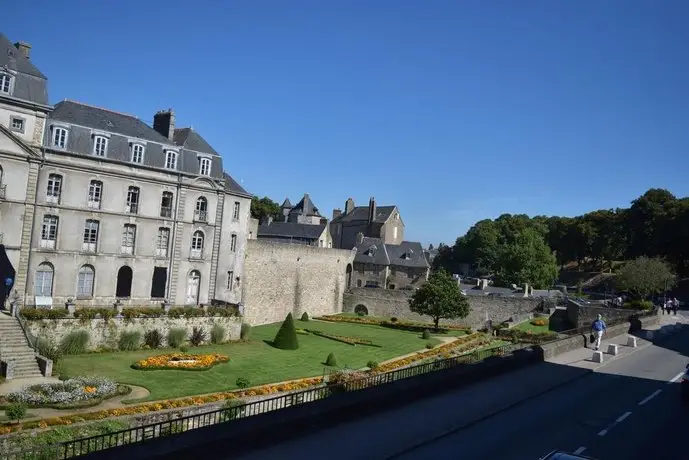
[303, 224]
[98, 206]
[373, 221]
[389, 266]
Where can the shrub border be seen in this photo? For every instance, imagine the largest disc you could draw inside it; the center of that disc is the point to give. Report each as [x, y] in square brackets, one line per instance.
[354, 341]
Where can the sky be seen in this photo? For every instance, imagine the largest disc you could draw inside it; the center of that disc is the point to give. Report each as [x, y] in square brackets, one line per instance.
[454, 110]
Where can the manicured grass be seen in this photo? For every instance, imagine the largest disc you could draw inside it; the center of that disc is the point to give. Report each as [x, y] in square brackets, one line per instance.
[255, 360]
[528, 327]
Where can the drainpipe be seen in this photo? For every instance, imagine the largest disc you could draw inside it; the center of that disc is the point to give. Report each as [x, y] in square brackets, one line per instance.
[33, 225]
[171, 243]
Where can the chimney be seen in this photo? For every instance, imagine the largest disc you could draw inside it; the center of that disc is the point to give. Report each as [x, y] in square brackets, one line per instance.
[349, 206]
[23, 48]
[336, 213]
[266, 220]
[164, 123]
[371, 210]
[359, 238]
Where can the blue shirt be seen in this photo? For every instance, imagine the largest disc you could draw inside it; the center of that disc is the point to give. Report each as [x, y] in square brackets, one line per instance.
[598, 325]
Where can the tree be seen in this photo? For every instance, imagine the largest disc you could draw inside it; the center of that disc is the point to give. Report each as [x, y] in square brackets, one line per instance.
[644, 276]
[265, 207]
[286, 338]
[527, 259]
[439, 298]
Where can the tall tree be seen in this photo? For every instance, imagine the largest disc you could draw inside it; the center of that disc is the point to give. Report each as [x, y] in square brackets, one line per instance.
[439, 298]
[265, 207]
[644, 276]
[527, 259]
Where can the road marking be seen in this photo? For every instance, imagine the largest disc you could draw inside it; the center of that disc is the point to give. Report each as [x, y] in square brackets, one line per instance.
[580, 450]
[622, 417]
[648, 398]
[676, 377]
[603, 432]
[619, 419]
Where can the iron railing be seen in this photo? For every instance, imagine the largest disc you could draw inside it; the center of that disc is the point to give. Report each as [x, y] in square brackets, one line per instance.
[77, 447]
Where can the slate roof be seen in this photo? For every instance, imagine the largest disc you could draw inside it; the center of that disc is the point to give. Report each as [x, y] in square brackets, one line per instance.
[372, 251]
[306, 207]
[290, 230]
[407, 254]
[361, 213]
[15, 60]
[232, 185]
[286, 204]
[191, 140]
[105, 120]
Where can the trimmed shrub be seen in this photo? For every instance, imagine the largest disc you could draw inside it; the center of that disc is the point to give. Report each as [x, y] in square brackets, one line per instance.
[85, 314]
[243, 382]
[217, 334]
[32, 314]
[129, 340]
[184, 348]
[426, 334]
[15, 411]
[430, 345]
[48, 350]
[198, 336]
[393, 319]
[286, 338]
[75, 342]
[372, 364]
[331, 360]
[245, 333]
[305, 316]
[175, 337]
[539, 322]
[153, 338]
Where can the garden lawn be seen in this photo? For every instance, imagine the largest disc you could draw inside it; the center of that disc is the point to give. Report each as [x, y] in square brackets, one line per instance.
[255, 360]
[526, 326]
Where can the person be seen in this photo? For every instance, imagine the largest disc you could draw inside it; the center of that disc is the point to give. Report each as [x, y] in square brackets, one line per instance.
[598, 327]
[675, 305]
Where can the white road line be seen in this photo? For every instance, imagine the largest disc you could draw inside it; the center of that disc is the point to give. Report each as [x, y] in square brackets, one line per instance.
[651, 396]
[622, 417]
[676, 377]
[580, 450]
[603, 432]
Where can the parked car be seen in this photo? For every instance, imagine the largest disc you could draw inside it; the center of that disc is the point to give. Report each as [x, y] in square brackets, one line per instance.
[685, 384]
[561, 455]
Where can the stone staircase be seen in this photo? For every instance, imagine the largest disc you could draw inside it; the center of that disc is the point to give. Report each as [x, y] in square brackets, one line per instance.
[13, 345]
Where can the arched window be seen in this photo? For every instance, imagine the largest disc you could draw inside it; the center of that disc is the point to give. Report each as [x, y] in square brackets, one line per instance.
[43, 284]
[193, 283]
[201, 212]
[85, 280]
[197, 244]
[124, 282]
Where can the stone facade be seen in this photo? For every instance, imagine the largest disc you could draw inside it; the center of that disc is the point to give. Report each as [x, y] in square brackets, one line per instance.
[372, 221]
[282, 278]
[384, 302]
[583, 315]
[107, 333]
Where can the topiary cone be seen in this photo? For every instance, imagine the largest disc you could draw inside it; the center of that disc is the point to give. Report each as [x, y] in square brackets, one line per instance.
[286, 338]
[331, 360]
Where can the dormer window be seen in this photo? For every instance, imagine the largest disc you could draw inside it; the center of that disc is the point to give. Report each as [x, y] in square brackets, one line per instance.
[137, 153]
[205, 166]
[100, 145]
[5, 80]
[170, 159]
[59, 137]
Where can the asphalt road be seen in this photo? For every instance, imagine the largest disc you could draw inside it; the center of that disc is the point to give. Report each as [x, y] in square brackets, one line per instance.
[629, 409]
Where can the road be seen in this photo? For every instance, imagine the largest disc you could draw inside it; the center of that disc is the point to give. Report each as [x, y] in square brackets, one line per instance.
[628, 409]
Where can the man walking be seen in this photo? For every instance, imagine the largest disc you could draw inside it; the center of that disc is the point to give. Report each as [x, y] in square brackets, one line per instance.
[598, 327]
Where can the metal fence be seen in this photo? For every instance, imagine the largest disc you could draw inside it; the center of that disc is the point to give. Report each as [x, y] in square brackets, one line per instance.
[75, 448]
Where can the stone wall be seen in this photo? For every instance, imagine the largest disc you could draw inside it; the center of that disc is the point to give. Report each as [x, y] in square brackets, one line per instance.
[282, 278]
[385, 302]
[583, 315]
[107, 333]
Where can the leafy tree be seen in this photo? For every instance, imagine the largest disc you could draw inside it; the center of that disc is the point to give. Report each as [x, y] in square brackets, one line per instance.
[644, 276]
[439, 298]
[286, 338]
[527, 259]
[265, 207]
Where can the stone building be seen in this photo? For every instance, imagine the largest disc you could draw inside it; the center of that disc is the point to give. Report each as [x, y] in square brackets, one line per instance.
[305, 212]
[302, 224]
[388, 266]
[97, 206]
[373, 221]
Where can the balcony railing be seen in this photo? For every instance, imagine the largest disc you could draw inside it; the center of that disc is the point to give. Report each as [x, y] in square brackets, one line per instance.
[88, 247]
[53, 199]
[47, 244]
[127, 250]
[196, 254]
[201, 216]
[93, 204]
[132, 208]
[161, 252]
[166, 211]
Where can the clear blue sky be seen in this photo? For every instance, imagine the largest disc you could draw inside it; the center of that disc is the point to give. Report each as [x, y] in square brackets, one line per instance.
[453, 110]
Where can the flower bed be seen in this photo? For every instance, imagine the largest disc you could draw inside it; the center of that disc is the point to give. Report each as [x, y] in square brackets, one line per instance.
[88, 313]
[527, 336]
[75, 392]
[354, 341]
[413, 326]
[180, 361]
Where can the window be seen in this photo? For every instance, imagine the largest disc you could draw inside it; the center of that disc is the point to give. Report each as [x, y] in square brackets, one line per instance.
[158, 282]
[85, 281]
[5, 81]
[17, 124]
[43, 284]
[49, 232]
[128, 239]
[137, 153]
[90, 236]
[201, 213]
[358, 283]
[166, 205]
[163, 242]
[205, 166]
[54, 188]
[230, 280]
[197, 245]
[394, 233]
[100, 145]
[170, 159]
[59, 137]
[132, 200]
[95, 194]
[233, 243]
[235, 211]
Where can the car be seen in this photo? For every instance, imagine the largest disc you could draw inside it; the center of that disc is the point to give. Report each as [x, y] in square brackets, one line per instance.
[685, 384]
[562, 455]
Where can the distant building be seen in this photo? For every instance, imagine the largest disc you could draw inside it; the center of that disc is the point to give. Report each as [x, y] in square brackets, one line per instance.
[372, 221]
[301, 224]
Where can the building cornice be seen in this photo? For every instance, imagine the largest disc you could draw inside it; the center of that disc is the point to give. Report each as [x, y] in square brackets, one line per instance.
[26, 104]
